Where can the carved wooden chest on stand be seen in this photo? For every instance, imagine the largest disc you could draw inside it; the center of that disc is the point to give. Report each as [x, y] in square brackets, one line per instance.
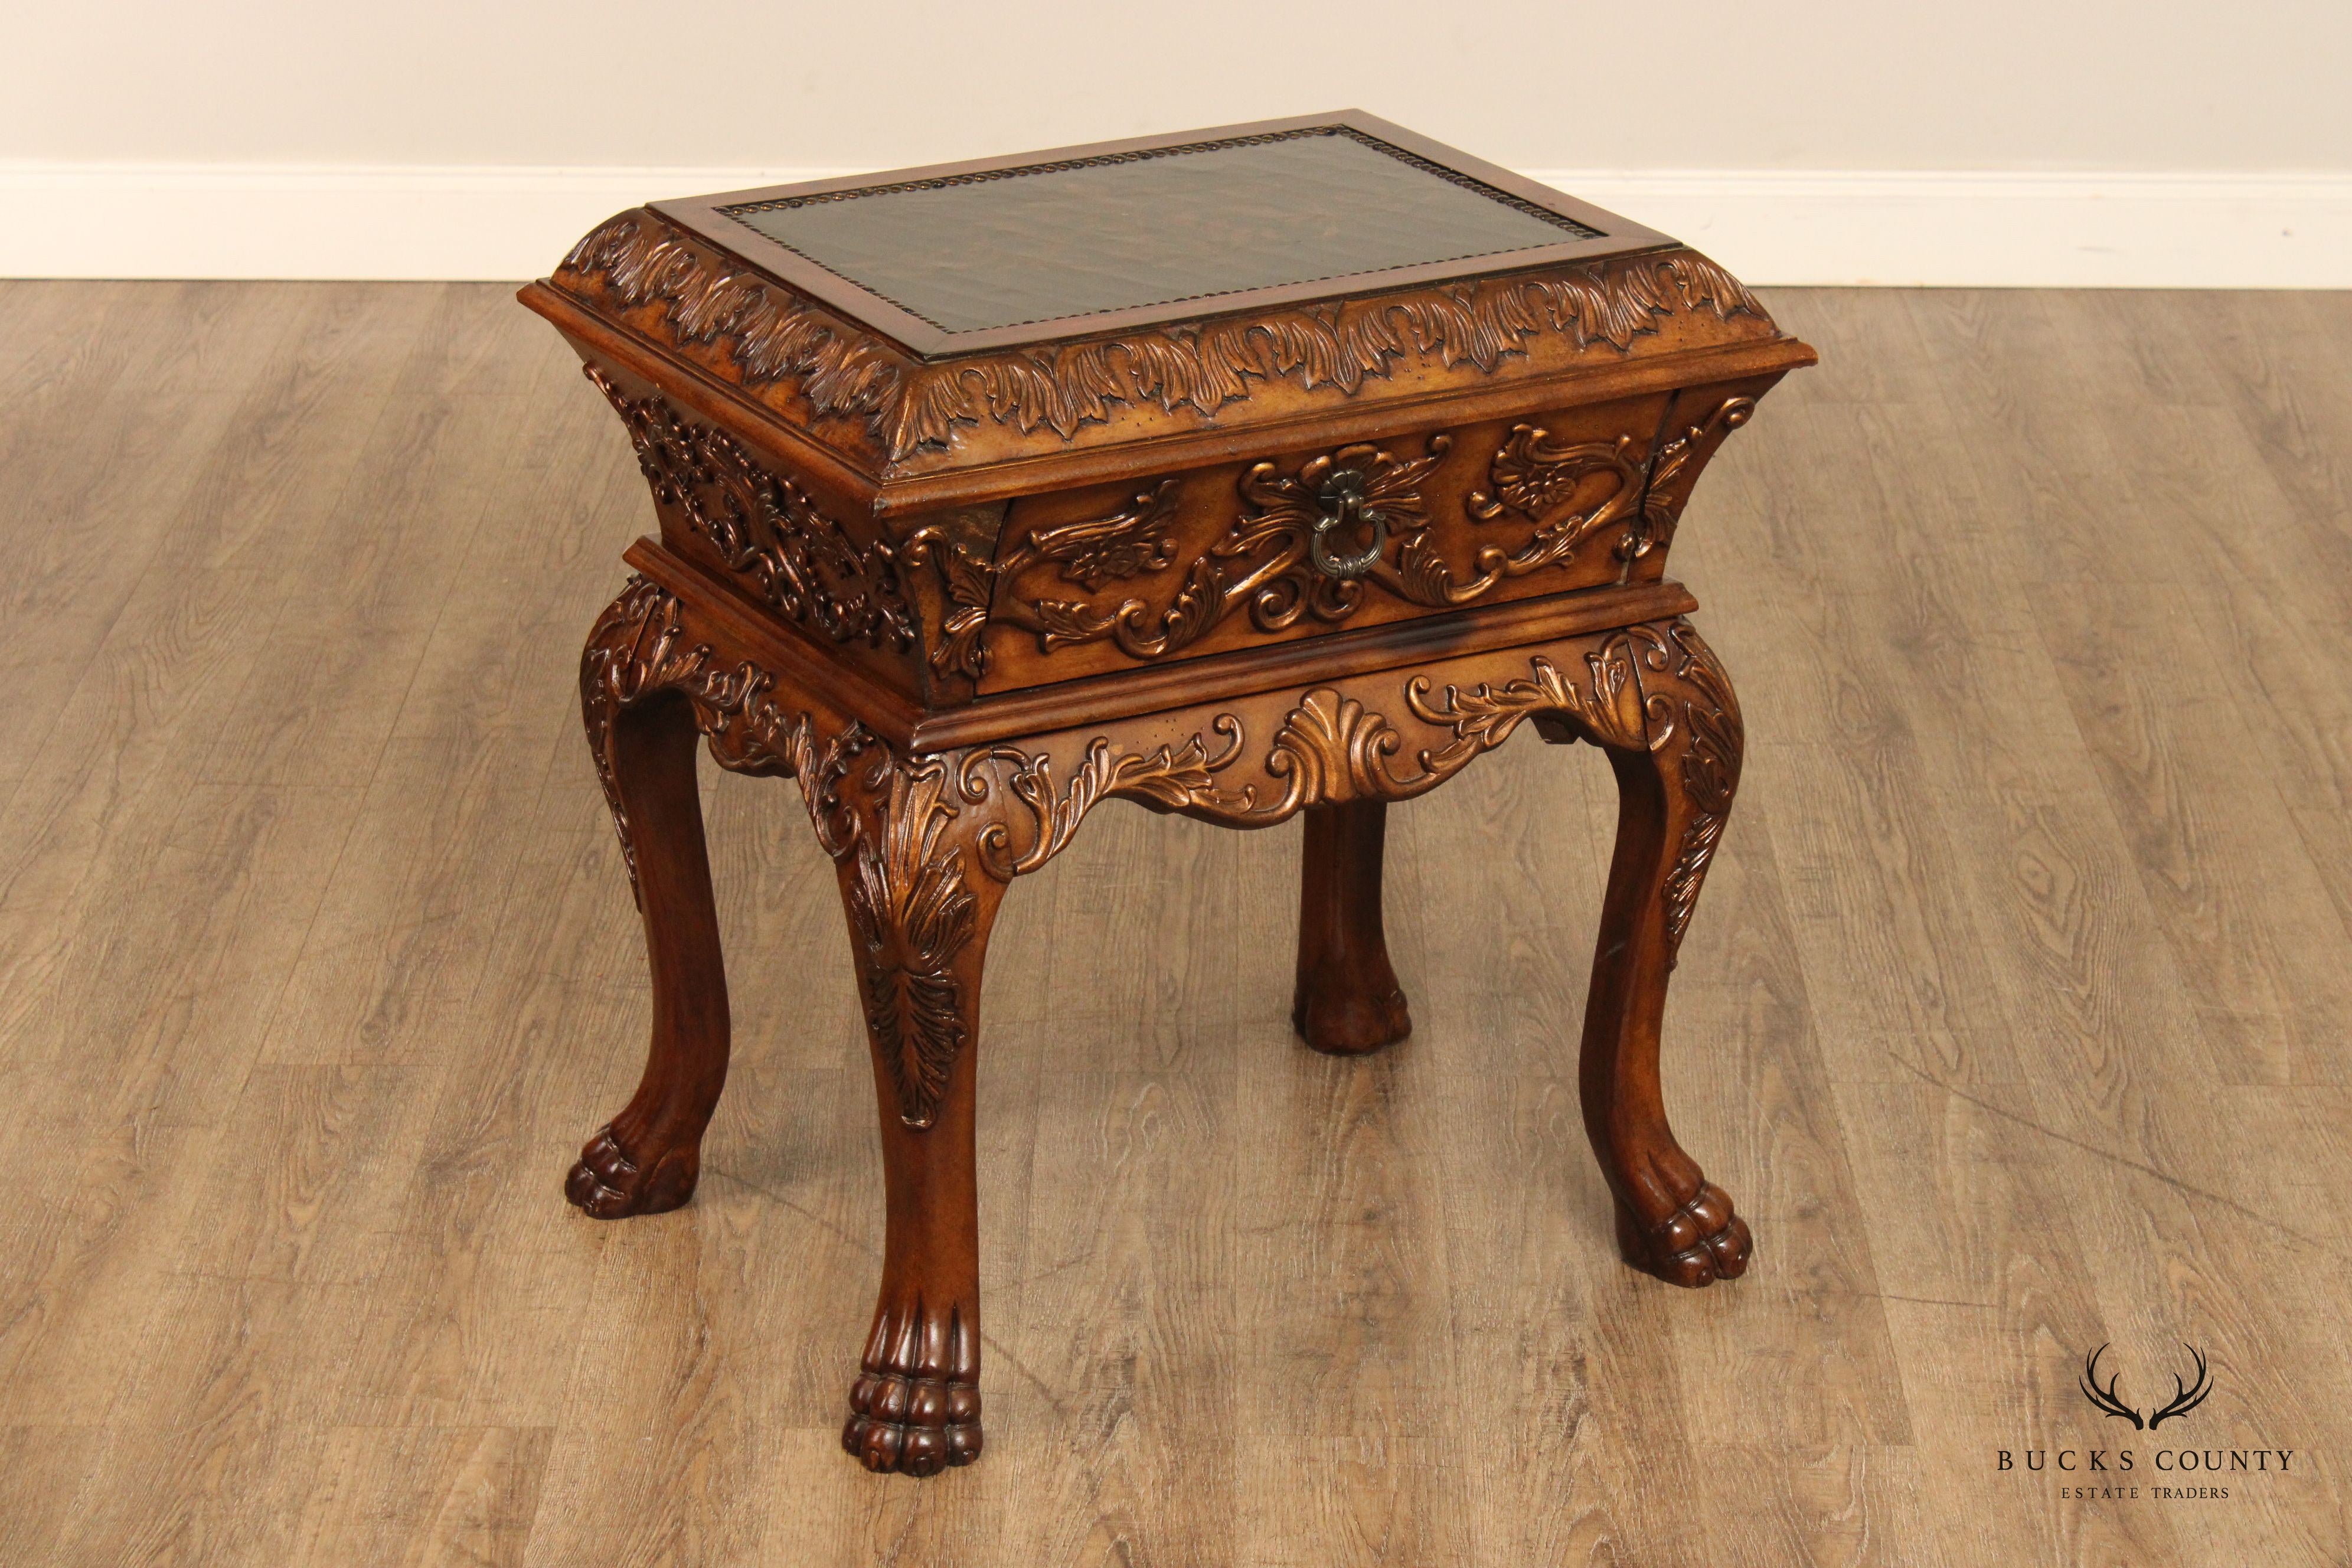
[1268, 472]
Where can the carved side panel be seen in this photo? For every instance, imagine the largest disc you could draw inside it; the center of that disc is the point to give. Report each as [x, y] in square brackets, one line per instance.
[1109, 578]
[728, 508]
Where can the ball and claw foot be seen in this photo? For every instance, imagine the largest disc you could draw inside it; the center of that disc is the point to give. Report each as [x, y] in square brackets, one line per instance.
[607, 1184]
[1699, 1243]
[1345, 1022]
[914, 1425]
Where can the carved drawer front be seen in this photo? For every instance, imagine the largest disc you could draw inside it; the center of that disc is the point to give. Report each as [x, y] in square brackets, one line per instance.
[1175, 566]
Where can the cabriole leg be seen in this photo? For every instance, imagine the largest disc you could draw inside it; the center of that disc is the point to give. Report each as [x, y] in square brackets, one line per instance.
[918, 922]
[1348, 1001]
[643, 735]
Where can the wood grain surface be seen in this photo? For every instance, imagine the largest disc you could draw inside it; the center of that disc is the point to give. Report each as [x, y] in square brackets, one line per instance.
[2016, 1015]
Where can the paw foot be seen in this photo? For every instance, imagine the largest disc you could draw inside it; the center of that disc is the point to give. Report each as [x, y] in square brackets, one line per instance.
[1699, 1243]
[914, 1425]
[1349, 1023]
[915, 1408]
[608, 1183]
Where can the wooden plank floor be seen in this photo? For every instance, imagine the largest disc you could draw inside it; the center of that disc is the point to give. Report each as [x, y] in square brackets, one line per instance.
[2017, 1016]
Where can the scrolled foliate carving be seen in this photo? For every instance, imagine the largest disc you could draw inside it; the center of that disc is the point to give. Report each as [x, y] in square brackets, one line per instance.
[1309, 543]
[1135, 539]
[1091, 553]
[1646, 688]
[911, 912]
[1662, 501]
[1172, 776]
[1540, 479]
[638, 650]
[1206, 366]
[912, 915]
[1714, 739]
[1267, 562]
[764, 528]
[773, 336]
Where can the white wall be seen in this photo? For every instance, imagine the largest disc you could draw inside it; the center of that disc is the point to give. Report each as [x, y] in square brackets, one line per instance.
[2004, 140]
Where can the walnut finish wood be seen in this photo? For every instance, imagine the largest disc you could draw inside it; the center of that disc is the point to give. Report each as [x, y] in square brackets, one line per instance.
[1300, 556]
[637, 704]
[1347, 1002]
[1675, 784]
[2018, 1007]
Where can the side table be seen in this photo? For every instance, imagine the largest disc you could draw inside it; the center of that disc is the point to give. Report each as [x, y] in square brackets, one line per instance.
[1273, 471]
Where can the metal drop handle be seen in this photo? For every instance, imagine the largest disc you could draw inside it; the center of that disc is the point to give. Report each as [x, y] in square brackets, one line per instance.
[1343, 498]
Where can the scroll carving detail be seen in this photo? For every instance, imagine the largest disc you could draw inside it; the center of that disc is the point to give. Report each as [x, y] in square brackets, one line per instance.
[1642, 688]
[763, 526]
[910, 910]
[1661, 502]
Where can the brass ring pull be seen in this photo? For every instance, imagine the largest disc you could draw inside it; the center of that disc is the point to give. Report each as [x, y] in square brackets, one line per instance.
[1343, 498]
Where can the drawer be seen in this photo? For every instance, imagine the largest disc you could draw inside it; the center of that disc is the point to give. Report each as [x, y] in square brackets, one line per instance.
[1087, 581]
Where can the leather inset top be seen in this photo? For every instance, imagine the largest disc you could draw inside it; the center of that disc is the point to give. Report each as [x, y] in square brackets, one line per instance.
[1056, 240]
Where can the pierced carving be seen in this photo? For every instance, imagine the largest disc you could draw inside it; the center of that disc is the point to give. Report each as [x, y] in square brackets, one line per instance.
[773, 336]
[763, 527]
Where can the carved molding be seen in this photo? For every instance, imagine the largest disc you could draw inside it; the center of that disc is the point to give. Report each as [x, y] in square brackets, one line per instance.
[774, 336]
[763, 527]
[771, 334]
[1642, 688]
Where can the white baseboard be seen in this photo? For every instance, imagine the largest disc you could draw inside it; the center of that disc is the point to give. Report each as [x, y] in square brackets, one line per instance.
[1830, 226]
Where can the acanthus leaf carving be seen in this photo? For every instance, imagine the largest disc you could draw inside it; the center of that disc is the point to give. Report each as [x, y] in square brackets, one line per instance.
[773, 335]
[1716, 741]
[1174, 777]
[911, 912]
[912, 915]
